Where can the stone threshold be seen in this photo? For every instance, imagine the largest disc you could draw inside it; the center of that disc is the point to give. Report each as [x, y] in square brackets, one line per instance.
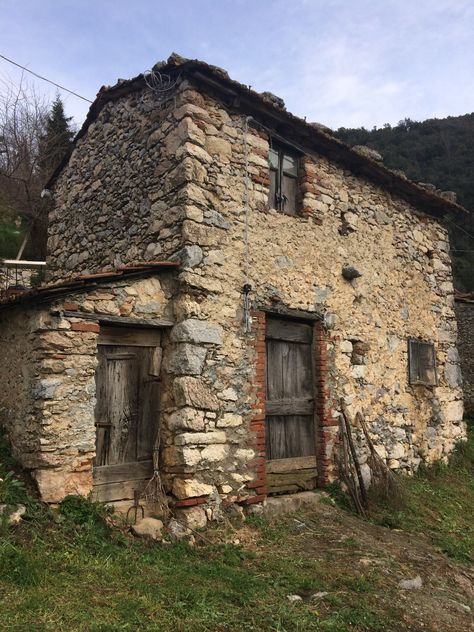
[288, 503]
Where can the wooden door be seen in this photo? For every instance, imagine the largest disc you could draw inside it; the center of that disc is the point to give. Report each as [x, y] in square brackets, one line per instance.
[290, 417]
[126, 411]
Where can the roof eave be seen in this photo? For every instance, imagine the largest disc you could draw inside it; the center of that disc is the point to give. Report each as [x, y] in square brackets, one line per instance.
[253, 103]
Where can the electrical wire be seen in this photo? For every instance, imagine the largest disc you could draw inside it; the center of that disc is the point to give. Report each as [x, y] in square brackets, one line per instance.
[247, 286]
[159, 82]
[246, 202]
[10, 61]
[460, 228]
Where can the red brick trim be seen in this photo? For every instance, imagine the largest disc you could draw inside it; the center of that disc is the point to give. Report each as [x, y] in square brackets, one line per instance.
[191, 502]
[71, 307]
[254, 499]
[257, 422]
[323, 406]
[94, 327]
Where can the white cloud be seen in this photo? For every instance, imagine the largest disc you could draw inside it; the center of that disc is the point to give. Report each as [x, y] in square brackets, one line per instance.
[340, 62]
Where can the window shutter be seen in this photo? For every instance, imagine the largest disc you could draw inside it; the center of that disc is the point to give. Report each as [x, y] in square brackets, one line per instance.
[427, 363]
[414, 361]
[422, 362]
[288, 192]
[272, 194]
[283, 173]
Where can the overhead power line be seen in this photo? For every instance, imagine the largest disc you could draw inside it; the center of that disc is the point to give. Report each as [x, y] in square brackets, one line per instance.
[10, 61]
[461, 228]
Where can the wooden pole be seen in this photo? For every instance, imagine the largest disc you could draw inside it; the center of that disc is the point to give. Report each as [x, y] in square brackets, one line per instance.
[363, 490]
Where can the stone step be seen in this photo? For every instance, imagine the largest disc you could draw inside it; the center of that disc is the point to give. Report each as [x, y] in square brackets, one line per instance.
[288, 503]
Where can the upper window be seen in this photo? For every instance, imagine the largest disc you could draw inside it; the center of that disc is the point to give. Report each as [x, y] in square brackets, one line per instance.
[283, 180]
[422, 363]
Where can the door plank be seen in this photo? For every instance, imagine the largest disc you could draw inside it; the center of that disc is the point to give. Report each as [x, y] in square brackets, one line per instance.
[122, 385]
[148, 404]
[123, 490]
[291, 480]
[123, 472]
[101, 415]
[295, 406]
[291, 331]
[290, 436]
[279, 466]
[129, 336]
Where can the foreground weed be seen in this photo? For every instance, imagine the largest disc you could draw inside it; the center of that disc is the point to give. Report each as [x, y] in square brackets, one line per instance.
[438, 502]
[12, 490]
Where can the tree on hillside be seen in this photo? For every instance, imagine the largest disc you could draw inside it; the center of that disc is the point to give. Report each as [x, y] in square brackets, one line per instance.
[33, 139]
[56, 141]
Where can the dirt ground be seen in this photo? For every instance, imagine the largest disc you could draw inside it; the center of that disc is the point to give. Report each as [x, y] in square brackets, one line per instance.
[347, 545]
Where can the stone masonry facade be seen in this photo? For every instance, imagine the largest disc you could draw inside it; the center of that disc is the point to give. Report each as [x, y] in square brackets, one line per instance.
[186, 178]
[465, 318]
[48, 400]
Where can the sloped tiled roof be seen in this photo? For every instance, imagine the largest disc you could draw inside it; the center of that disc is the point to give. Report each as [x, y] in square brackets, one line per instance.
[85, 282]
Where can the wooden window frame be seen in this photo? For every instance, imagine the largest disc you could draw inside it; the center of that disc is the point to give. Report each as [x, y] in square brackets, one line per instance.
[278, 199]
[417, 375]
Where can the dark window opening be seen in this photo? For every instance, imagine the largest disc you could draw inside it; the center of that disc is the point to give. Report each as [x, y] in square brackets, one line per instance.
[422, 363]
[283, 180]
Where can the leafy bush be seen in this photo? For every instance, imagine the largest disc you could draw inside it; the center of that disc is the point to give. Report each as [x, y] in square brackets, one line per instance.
[12, 490]
[79, 511]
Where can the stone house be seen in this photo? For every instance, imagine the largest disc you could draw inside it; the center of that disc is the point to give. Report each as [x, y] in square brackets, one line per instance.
[221, 274]
[464, 307]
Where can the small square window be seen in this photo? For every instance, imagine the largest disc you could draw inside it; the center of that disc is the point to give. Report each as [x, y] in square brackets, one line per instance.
[283, 180]
[422, 363]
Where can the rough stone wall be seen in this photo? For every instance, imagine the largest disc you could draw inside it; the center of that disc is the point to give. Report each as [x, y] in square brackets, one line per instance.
[465, 318]
[47, 377]
[18, 379]
[116, 202]
[405, 291]
[11, 277]
[47, 399]
[192, 183]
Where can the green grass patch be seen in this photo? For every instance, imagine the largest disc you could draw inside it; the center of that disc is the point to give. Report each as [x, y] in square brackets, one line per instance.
[438, 501]
[69, 570]
[76, 573]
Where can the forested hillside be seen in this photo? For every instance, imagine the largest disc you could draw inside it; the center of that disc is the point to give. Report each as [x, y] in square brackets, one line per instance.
[437, 151]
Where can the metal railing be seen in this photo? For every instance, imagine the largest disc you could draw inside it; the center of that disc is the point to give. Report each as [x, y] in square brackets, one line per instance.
[17, 276]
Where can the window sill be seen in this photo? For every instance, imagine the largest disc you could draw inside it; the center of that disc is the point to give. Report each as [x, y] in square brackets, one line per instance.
[275, 211]
[426, 384]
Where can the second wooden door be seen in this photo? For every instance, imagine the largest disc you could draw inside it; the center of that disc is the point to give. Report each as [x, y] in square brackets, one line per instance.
[290, 416]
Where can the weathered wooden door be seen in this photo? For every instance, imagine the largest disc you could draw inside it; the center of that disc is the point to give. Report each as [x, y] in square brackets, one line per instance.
[126, 411]
[290, 415]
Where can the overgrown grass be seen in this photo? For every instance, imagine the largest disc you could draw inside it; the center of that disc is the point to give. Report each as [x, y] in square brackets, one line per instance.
[13, 489]
[438, 502]
[70, 570]
[80, 575]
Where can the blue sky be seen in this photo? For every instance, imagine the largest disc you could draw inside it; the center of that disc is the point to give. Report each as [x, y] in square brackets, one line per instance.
[339, 62]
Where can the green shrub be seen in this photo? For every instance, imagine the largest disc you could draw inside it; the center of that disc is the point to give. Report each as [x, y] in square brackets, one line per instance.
[12, 490]
[80, 511]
